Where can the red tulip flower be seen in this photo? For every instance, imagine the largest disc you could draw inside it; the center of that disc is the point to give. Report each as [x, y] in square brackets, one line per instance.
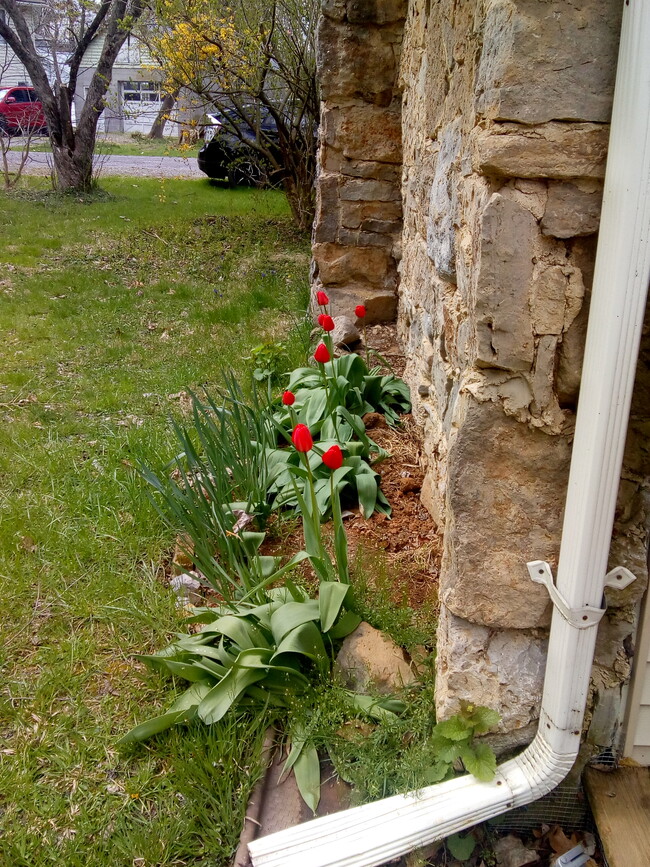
[326, 322]
[288, 398]
[301, 438]
[333, 458]
[322, 299]
[322, 354]
[360, 311]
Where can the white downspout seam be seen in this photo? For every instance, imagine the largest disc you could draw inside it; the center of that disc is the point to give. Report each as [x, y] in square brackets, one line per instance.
[375, 833]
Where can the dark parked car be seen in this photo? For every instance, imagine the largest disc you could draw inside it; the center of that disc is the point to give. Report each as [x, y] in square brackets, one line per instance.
[225, 156]
[20, 111]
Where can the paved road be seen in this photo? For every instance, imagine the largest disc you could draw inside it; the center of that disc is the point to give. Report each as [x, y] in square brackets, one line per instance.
[137, 167]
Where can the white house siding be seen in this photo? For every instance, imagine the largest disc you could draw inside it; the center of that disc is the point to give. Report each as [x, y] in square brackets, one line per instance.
[131, 105]
[12, 71]
[637, 742]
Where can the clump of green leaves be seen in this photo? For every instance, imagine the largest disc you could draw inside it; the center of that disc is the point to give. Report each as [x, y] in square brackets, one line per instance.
[383, 749]
[343, 382]
[270, 360]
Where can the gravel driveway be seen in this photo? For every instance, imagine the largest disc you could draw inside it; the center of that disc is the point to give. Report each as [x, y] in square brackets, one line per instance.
[137, 167]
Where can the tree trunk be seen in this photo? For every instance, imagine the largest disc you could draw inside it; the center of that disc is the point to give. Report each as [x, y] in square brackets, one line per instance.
[300, 196]
[73, 168]
[158, 126]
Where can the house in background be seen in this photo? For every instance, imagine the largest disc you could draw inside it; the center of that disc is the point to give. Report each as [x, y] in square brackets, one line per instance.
[134, 97]
[12, 71]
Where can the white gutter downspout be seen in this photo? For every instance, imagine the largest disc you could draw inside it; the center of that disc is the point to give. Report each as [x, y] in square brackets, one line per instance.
[375, 833]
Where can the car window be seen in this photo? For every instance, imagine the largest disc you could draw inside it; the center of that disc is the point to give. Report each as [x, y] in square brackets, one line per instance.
[3, 92]
[21, 95]
[33, 96]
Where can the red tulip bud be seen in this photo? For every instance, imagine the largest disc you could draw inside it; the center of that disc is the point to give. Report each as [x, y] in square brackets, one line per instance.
[360, 311]
[322, 299]
[326, 322]
[322, 353]
[301, 438]
[333, 458]
[288, 398]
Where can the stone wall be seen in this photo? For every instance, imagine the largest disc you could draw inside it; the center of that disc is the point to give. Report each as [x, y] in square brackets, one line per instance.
[358, 199]
[462, 156]
[505, 111]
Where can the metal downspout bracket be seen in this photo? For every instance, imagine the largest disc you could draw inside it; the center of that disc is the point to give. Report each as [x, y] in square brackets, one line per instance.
[587, 616]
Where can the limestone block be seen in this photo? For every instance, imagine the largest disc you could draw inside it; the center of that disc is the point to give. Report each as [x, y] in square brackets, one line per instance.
[571, 211]
[364, 132]
[358, 238]
[339, 264]
[334, 9]
[376, 11]
[362, 190]
[503, 325]
[355, 63]
[629, 546]
[334, 161]
[548, 61]
[503, 670]
[569, 360]
[554, 150]
[380, 302]
[443, 205]
[506, 486]
[327, 218]
[355, 215]
[556, 299]
[615, 633]
[370, 660]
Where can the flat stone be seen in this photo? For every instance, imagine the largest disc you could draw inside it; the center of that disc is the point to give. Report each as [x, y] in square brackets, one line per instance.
[443, 205]
[518, 475]
[503, 324]
[380, 304]
[345, 332]
[359, 238]
[339, 264]
[502, 670]
[376, 11]
[364, 215]
[571, 211]
[370, 661]
[362, 190]
[549, 61]
[334, 161]
[554, 150]
[355, 63]
[364, 132]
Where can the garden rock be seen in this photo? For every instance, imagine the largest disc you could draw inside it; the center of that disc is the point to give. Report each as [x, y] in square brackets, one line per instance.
[185, 587]
[345, 332]
[511, 852]
[368, 659]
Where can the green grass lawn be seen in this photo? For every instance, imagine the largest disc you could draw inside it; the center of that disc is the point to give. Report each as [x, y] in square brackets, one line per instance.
[109, 306]
[167, 147]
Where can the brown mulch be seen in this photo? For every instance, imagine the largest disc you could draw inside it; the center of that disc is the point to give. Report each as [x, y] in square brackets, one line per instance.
[408, 539]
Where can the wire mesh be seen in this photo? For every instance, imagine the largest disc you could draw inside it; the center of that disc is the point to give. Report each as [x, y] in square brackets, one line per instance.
[567, 806]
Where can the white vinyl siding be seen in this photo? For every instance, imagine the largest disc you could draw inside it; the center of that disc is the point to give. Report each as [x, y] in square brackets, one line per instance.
[131, 54]
[637, 741]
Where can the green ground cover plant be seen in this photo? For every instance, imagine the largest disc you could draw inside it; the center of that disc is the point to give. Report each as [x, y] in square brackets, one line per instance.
[110, 307]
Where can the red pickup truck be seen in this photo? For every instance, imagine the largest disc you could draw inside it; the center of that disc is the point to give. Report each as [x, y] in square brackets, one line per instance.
[20, 111]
